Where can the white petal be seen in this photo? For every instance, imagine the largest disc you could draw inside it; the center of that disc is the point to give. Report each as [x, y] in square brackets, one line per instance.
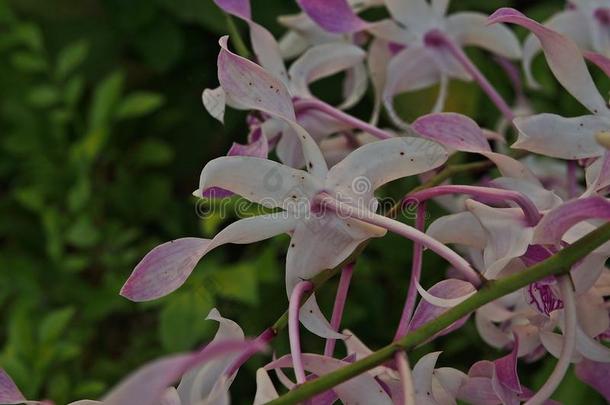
[409, 12]
[263, 181]
[556, 136]
[214, 101]
[322, 61]
[265, 391]
[442, 302]
[471, 28]
[380, 162]
[462, 228]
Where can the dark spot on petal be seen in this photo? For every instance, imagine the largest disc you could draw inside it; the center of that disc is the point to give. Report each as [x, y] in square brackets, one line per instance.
[310, 165]
[402, 153]
[292, 245]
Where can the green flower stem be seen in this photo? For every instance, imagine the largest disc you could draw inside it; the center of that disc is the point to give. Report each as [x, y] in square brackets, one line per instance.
[238, 41]
[557, 264]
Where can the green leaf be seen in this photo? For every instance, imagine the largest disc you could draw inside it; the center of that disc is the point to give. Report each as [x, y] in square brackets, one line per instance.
[70, 58]
[105, 101]
[54, 325]
[238, 283]
[160, 44]
[139, 103]
[73, 90]
[30, 35]
[29, 62]
[153, 152]
[83, 233]
[182, 324]
[43, 96]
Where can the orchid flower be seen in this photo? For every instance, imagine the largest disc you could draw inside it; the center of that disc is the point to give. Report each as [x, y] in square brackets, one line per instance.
[432, 44]
[318, 241]
[147, 385]
[553, 135]
[317, 117]
[585, 22]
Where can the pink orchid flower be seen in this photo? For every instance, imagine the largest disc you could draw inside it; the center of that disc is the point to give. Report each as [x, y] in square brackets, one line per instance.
[585, 22]
[429, 46]
[148, 385]
[319, 61]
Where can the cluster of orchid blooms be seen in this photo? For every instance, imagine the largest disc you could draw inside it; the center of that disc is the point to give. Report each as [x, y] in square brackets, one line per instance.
[321, 193]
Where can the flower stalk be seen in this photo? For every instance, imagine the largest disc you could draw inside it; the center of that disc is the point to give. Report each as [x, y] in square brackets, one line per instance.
[558, 264]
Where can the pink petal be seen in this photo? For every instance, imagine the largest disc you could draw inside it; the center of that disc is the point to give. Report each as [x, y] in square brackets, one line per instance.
[258, 146]
[240, 8]
[9, 393]
[557, 222]
[506, 369]
[564, 59]
[362, 389]
[253, 86]
[164, 269]
[446, 289]
[599, 60]
[479, 391]
[334, 16]
[453, 130]
[146, 385]
[597, 375]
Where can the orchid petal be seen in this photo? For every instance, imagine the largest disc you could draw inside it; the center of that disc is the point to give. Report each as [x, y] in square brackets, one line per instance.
[542, 198]
[592, 313]
[167, 267]
[411, 69]
[440, 7]
[553, 343]
[9, 393]
[469, 28]
[200, 382]
[489, 332]
[170, 397]
[570, 23]
[394, 158]
[214, 101]
[462, 228]
[254, 87]
[478, 390]
[506, 370]
[409, 12]
[422, 373]
[510, 167]
[147, 384]
[453, 130]
[258, 146]
[354, 86]
[360, 389]
[265, 391]
[317, 245]
[164, 269]
[263, 181]
[595, 374]
[556, 136]
[557, 222]
[437, 299]
[564, 59]
[597, 174]
[239, 8]
[591, 348]
[508, 235]
[443, 302]
[599, 60]
[292, 43]
[322, 61]
[334, 16]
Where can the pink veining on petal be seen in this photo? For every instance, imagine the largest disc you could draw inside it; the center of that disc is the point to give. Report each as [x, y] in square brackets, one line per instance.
[334, 16]
[506, 369]
[452, 130]
[543, 298]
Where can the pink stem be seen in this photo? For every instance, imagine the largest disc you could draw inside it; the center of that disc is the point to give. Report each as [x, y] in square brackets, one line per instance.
[406, 378]
[340, 298]
[345, 210]
[530, 211]
[571, 178]
[264, 338]
[569, 343]
[418, 248]
[438, 38]
[293, 328]
[314, 104]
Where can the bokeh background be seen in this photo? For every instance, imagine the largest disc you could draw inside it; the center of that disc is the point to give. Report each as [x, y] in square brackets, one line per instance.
[102, 139]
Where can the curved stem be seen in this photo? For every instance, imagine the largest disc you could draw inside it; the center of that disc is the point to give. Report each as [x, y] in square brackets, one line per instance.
[293, 328]
[342, 209]
[406, 378]
[340, 298]
[569, 343]
[496, 194]
[558, 264]
[315, 104]
[238, 41]
[437, 38]
[418, 249]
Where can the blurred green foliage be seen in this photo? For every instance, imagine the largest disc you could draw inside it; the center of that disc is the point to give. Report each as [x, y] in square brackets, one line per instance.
[102, 137]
